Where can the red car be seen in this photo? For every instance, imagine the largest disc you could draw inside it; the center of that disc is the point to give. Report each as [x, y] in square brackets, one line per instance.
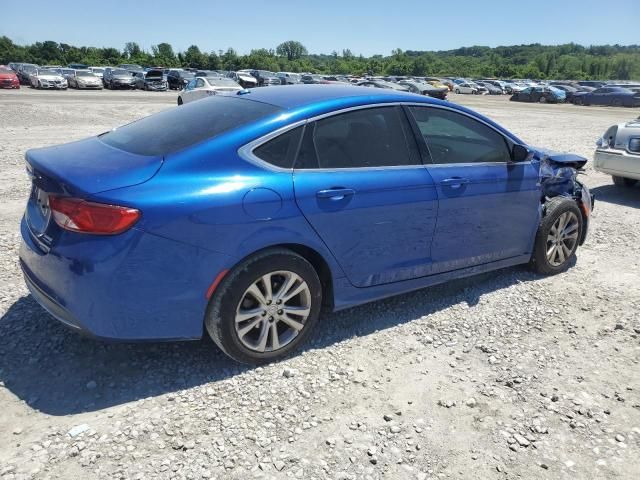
[8, 78]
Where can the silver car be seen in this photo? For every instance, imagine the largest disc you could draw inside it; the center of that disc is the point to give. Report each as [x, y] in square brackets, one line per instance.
[618, 153]
[84, 79]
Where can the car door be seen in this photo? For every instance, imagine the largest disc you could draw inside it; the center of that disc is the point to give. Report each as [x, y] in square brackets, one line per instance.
[599, 96]
[360, 183]
[488, 206]
[188, 93]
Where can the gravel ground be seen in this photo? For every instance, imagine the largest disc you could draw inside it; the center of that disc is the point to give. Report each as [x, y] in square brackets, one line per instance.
[505, 375]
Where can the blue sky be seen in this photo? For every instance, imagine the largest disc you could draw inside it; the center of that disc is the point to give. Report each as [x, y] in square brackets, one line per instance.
[366, 27]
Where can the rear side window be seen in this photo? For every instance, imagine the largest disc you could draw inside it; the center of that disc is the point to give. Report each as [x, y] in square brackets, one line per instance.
[180, 127]
[281, 150]
[455, 138]
[366, 138]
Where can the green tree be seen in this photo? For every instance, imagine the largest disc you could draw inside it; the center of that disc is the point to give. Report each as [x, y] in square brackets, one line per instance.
[292, 50]
[132, 49]
[194, 58]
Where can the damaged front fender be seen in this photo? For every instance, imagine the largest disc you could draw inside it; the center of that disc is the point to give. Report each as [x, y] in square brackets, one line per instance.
[558, 176]
[558, 172]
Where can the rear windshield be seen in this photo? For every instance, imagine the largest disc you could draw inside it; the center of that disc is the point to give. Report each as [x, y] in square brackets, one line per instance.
[175, 129]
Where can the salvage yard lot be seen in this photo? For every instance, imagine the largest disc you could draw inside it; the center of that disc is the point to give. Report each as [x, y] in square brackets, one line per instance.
[506, 375]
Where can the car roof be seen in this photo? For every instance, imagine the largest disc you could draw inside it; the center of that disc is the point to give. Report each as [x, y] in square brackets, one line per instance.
[297, 96]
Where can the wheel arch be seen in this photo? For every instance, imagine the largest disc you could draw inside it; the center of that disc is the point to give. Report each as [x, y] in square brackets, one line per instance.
[317, 260]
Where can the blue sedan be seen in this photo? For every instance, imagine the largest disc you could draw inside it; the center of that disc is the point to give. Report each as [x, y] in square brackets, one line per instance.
[245, 215]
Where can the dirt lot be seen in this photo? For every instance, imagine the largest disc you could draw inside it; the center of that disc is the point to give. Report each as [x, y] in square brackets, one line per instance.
[502, 376]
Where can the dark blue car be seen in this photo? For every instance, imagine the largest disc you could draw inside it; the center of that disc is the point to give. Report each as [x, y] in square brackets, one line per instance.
[245, 215]
[608, 96]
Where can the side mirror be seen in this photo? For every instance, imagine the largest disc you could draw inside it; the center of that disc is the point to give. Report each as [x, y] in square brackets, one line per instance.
[519, 153]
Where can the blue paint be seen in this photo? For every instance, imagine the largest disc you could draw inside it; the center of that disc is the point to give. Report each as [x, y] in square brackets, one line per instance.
[205, 208]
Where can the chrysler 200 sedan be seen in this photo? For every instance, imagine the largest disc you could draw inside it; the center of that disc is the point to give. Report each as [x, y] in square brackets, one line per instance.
[244, 215]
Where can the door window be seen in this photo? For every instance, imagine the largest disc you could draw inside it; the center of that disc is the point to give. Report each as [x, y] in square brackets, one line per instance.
[455, 138]
[366, 138]
[281, 150]
[199, 83]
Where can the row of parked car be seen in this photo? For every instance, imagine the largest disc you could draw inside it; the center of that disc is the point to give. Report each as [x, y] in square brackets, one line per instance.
[194, 83]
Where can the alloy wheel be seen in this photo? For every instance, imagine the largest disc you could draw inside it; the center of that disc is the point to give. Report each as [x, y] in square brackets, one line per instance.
[273, 311]
[562, 238]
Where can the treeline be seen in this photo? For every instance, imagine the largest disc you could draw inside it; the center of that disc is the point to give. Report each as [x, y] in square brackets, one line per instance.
[570, 61]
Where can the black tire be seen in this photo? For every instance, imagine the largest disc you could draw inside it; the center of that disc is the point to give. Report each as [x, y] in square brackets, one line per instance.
[542, 99]
[221, 312]
[616, 102]
[577, 101]
[623, 182]
[180, 101]
[553, 209]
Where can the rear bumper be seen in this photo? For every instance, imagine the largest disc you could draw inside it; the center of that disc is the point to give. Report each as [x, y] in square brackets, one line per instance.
[619, 163]
[129, 287]
[48, 303]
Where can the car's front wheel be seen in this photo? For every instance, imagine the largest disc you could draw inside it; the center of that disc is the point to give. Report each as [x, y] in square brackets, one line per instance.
[265, 307]
[558, 236]
[623, 182]
[180, 102]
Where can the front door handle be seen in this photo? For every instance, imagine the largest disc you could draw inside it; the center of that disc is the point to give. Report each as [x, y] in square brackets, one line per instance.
[454, 182]
[335, 193]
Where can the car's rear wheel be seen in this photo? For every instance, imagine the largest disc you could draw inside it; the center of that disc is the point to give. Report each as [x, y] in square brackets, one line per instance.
[265, 307]
[543, 99]
[458, 91]
[558, 236]
[624, 182]
[180, 101]
[616, 102]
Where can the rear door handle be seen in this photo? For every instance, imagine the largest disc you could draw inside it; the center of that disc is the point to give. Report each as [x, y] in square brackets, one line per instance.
[455, 182]
[335, 193]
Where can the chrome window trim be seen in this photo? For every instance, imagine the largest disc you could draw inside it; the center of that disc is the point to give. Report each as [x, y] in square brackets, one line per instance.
[247, 151]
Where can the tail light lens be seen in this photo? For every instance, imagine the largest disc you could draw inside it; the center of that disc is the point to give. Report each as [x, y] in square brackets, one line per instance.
[78, 215]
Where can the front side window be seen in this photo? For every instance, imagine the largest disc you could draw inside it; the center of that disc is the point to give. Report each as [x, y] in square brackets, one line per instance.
[366, 138]
[199, 83]
[455, 138]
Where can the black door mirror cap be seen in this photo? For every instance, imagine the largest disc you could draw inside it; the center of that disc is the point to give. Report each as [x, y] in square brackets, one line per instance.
[519, 153]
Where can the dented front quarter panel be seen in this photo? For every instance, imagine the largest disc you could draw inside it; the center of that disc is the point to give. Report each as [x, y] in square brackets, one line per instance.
[558, 176]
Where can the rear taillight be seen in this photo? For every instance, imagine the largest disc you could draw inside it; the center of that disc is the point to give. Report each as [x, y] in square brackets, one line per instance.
[78, 215]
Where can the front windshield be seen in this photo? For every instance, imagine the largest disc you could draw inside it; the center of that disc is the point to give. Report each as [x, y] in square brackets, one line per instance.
[121, 72]
[98, 70]
[85, 74]
[265, 73]
[47, 72]
[186, 74]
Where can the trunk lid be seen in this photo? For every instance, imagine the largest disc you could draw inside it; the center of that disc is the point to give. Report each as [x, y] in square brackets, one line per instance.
[88, 166]
[79, 169]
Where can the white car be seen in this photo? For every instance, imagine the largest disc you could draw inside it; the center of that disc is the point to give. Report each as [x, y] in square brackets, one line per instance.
[97, 71]
[466, 87]
[618, 153]
[202, 87]
[43, 78]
